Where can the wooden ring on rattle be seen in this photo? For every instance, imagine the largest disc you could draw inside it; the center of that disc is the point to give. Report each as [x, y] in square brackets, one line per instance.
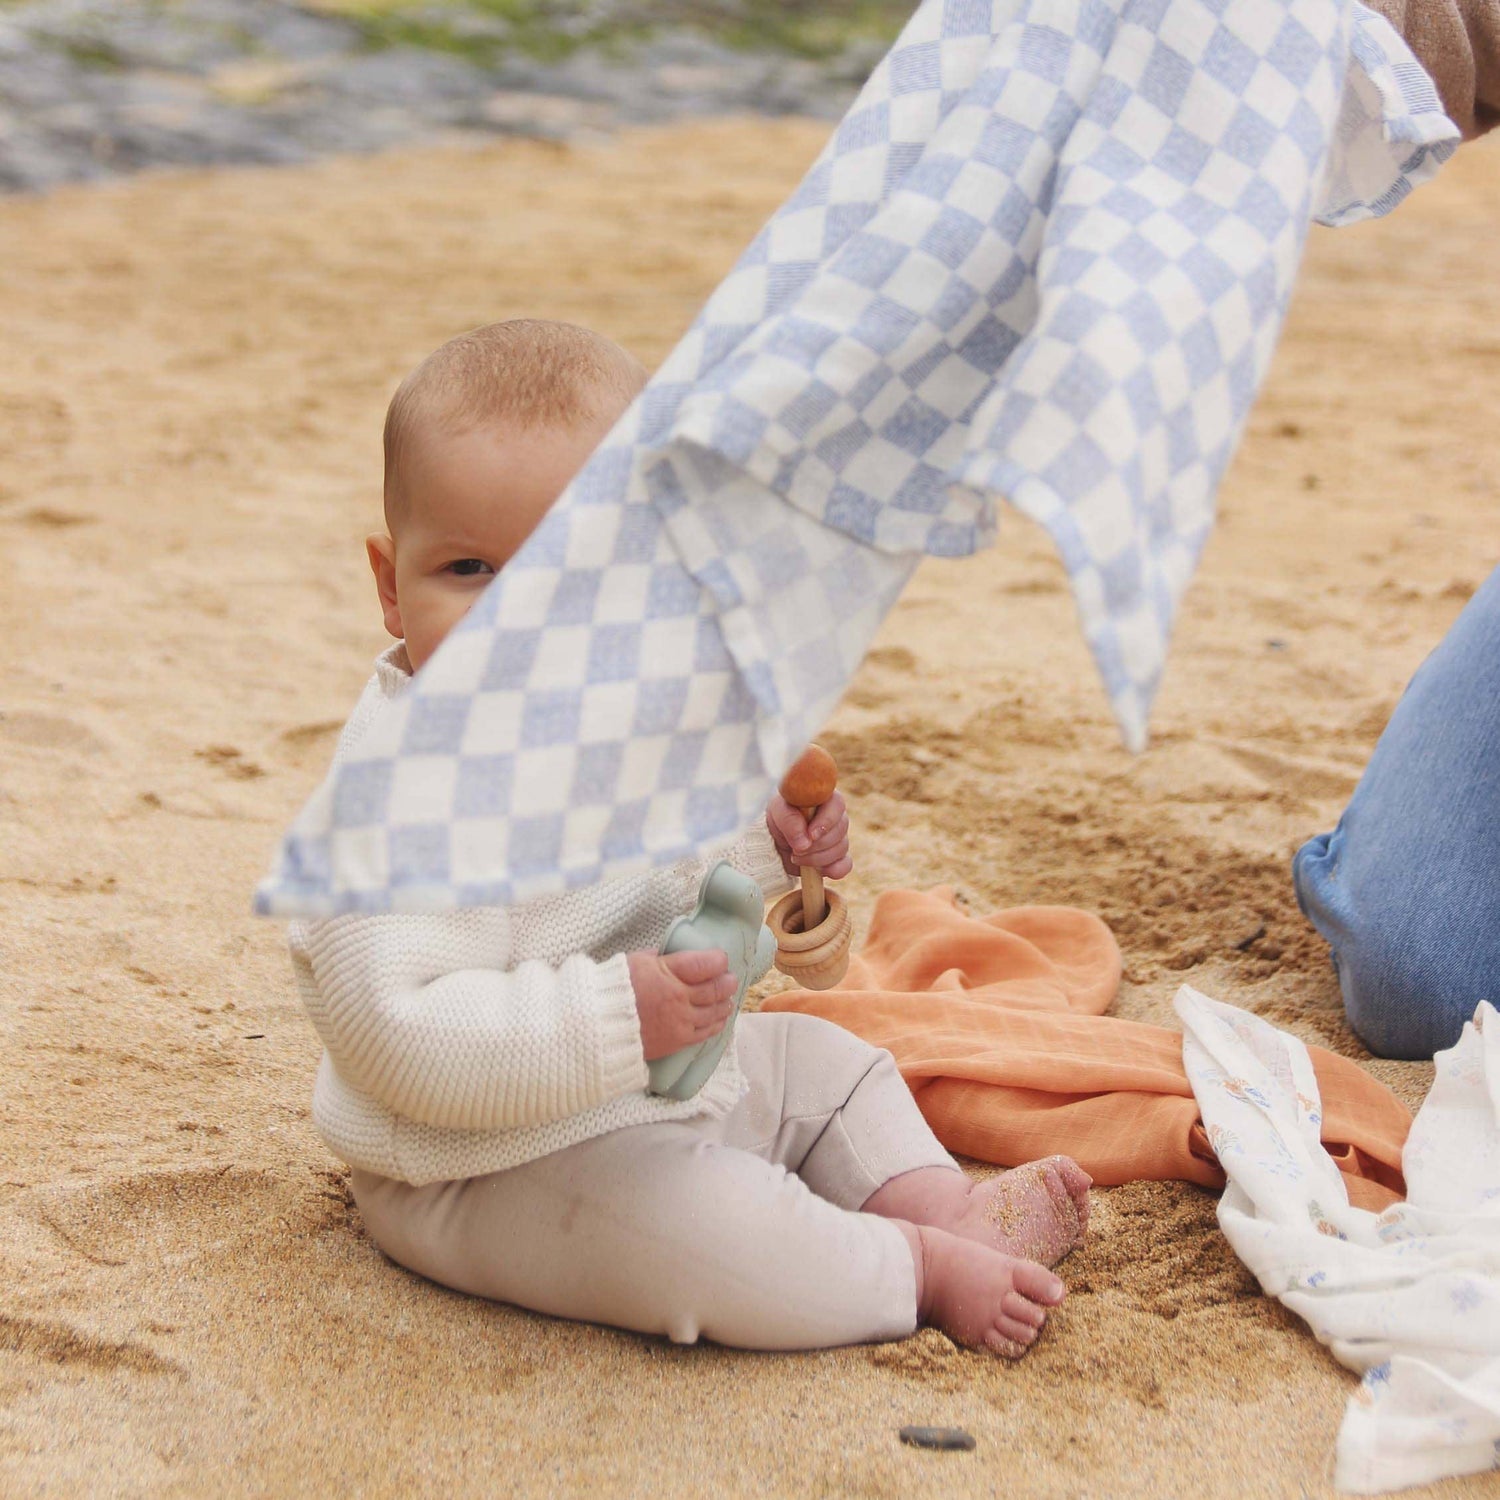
[817, 960]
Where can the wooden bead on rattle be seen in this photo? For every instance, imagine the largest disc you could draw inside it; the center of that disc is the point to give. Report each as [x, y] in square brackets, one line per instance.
[807, 786]
[811, 926]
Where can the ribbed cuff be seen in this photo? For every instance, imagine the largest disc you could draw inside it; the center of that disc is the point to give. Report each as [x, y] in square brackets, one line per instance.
[756, 855]
[622, 1056]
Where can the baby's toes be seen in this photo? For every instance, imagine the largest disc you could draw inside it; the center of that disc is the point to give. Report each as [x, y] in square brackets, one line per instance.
[1015, 1332]
[1068, 1187]
[1064, 1206]
[1077, 1181]
[1036, 1284]
[1082, 1204]
[1007, 1348]
[1014, 1308]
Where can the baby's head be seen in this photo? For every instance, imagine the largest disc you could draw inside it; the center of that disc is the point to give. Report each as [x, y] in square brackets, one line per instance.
[480, 439]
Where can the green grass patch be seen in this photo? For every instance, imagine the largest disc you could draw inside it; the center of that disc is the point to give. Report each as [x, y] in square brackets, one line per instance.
[87, 51]
[544, 30]
[818, 32]
[551, 30]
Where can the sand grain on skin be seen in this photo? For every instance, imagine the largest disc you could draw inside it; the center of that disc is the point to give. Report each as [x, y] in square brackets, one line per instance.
[189, 457]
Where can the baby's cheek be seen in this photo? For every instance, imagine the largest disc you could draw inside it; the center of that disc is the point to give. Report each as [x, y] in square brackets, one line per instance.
[436, 615]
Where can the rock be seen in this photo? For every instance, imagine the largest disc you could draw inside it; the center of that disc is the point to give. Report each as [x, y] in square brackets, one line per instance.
[953, 1439]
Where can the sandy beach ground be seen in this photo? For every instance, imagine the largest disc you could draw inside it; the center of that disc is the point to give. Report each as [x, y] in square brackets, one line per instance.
[196, 369]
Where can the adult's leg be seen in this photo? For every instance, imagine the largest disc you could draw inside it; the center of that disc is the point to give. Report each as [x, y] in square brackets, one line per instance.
[1407, 888]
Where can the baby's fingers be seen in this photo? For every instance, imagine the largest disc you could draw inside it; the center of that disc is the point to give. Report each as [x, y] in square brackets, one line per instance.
[829, 831]
[828, 820]
[714, 994]
[788, 823]
[694, 966]
[704, 977]
[707, 1023]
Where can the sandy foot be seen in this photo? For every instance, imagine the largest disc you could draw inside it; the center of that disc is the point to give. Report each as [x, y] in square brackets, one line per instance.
[982, 1298]
[1039, 1211]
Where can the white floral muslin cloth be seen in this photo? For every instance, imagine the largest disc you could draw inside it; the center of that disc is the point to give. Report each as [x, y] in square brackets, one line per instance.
[1045, 257]
[1410, 1298]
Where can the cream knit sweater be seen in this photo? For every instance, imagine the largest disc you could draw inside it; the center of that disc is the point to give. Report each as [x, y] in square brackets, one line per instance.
[474, 1040]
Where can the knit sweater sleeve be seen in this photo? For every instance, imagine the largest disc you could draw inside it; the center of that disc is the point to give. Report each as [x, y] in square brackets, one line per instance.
[754, 854]
[417, 1012]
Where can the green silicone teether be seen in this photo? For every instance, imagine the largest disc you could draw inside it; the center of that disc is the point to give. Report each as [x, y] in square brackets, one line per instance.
[729, 916]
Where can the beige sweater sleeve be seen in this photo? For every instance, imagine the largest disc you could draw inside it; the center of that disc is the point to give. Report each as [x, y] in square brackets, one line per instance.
[417, 1012]
[1458, 43]
[492, 1020]
[483, 1019]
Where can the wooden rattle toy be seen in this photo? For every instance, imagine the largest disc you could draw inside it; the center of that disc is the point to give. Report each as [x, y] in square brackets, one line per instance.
[811, 925]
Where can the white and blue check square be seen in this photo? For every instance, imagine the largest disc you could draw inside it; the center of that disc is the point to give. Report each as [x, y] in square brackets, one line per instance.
[1046, 256]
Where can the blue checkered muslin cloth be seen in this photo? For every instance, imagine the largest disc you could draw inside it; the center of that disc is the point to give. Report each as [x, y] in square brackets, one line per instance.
[1045, 257]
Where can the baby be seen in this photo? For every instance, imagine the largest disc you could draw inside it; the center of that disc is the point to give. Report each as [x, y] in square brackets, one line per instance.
[484, 1071]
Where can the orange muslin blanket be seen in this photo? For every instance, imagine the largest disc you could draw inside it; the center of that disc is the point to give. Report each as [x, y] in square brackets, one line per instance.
[997, 1024]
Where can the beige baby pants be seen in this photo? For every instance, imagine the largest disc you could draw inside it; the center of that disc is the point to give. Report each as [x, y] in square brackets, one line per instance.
[744, 1230]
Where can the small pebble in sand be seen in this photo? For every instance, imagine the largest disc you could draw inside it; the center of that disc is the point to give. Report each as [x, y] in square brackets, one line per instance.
[938, 1437]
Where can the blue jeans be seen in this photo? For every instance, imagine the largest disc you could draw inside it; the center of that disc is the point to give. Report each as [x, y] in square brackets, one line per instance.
[1407, 888]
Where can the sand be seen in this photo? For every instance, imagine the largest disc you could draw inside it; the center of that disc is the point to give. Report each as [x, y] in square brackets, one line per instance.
[189, 416]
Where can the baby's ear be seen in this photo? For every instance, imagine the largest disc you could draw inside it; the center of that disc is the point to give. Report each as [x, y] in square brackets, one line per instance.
[381, 551]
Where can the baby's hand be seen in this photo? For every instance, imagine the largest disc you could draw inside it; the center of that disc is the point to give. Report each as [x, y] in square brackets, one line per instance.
[821, 845]
[682, 998]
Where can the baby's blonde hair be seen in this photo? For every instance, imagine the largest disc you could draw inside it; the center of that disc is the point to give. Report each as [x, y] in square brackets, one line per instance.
[532, 372]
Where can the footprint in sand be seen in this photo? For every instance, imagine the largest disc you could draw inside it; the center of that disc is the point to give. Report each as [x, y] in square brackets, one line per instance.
[929, 1357]
[74, 885]
[900, 758]
[1302, 776]
[231, 761]
[48, 732]
[33, 421]
[60, 1345]
[868, 691]
[178, 1217]
[893, 659]
[306, 742]
[1032, 587]
[48, 518]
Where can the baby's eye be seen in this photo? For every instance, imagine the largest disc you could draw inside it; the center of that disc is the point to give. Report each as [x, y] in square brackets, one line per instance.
[469, 567]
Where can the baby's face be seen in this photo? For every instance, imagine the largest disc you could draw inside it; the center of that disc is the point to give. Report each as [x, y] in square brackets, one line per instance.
[463, 507]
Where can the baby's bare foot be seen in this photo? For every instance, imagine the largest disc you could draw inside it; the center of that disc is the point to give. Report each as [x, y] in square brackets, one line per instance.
[1037, 1212]
[982, 1298]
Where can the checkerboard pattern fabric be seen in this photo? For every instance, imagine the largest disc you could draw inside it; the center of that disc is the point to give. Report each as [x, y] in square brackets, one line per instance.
[1045, 257]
